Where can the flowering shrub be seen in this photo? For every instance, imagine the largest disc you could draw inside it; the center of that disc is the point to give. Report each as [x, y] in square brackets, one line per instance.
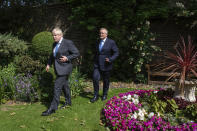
[142, 49]
[126, 112]
[25, 90]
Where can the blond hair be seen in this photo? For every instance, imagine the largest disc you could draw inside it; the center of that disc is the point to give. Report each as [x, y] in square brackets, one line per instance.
[57, 30]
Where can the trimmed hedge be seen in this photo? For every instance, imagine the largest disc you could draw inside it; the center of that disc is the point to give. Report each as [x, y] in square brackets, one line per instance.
[42, 45]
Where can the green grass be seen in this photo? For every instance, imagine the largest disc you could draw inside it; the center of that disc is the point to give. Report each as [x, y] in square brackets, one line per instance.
[81, 116]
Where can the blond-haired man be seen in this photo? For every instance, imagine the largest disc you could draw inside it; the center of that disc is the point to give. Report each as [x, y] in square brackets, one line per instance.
[64, 51]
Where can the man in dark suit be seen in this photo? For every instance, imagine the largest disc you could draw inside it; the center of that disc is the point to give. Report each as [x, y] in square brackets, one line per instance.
[106, 53]
[64, 51]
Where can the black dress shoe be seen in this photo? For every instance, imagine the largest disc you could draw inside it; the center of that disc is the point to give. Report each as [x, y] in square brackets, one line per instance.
[104, 97]
[95, 98]
[65, 105]
[48, 112]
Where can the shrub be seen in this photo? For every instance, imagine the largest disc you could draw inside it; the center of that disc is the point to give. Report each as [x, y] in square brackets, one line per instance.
[142, 49]
[76, 82]
[7, 80]
[26, 88]
[10, 46]
[191, 111]
[184, 62]
[25, 64]
[42, 45]
[46, 85]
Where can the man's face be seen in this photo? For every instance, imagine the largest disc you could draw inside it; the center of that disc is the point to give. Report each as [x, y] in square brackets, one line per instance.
[57, 37]
[103, 34]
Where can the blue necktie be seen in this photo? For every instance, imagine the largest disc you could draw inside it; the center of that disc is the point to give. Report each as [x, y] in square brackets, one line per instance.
[101, 45]
[56, 49]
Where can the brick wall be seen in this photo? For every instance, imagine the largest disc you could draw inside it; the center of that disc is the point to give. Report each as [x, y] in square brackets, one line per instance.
[168, 33]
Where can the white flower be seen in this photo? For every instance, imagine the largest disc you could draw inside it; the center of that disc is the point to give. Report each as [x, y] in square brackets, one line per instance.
[148, 22]
[180, 5]
[158, 114]
[129, 97]
[143, 111]
[124, 97]
[134, 116]
[135, 101]
[141, 114]
[155, 92]
[150, 115]
[141, 118]
[191, 13]
[135, 96]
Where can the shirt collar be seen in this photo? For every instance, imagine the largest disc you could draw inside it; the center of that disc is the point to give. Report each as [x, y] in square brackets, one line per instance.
[60, 40]
[104, 40]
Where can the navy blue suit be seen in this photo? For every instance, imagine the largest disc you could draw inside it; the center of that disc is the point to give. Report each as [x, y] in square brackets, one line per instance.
[62, 70]
[103, 68]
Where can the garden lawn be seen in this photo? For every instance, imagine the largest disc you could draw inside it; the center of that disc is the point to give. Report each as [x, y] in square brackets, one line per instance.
[81, 116]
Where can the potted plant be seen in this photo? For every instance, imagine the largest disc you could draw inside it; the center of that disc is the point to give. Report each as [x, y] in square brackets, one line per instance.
[183, 61]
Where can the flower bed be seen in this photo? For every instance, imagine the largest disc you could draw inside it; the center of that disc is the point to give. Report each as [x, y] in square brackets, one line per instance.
[127, 112]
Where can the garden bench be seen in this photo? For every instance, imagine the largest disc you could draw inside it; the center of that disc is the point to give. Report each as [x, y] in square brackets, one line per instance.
[153, 73]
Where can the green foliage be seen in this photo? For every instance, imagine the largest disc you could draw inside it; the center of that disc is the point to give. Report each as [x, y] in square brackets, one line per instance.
[172, 106]
[168, 108]
[42, 46]
[25, 64]
[7, 83]
[119, 19]
[191, 112]
[10, 46]
[155, 105]
[26, 88]
[46, 85]
[142, 48]
[152, 8]
[76, 82]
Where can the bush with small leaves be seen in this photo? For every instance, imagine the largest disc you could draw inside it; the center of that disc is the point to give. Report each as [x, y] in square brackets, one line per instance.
[42, 46]
[25, 64]
[10, 46]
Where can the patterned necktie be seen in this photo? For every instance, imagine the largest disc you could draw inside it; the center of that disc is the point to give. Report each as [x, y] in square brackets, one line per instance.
[101, 45]
[56, 49]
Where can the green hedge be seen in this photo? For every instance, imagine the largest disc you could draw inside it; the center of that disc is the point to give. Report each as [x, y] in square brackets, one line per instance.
[42, 45]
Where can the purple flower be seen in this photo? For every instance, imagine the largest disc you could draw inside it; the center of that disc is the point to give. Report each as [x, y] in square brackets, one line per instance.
[118, 113]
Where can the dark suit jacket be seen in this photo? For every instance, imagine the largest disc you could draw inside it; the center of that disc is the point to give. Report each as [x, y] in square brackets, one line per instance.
[68, 49]
[109, 50]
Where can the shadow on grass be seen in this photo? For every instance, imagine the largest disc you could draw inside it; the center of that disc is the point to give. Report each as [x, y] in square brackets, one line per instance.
[46, 85]
[87, 95]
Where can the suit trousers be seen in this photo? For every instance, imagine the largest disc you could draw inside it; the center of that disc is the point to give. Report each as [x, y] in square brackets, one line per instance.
[61, 83]
[97, 74]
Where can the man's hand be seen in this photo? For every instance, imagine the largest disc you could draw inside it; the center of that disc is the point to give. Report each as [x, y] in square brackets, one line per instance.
[47, 68]
[63, 59]
[107, 60]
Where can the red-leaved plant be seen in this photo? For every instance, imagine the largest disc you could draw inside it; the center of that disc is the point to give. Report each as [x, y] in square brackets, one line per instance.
[183, 62]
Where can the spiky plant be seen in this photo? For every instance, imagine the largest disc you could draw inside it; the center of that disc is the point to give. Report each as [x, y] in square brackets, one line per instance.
[183, 61]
